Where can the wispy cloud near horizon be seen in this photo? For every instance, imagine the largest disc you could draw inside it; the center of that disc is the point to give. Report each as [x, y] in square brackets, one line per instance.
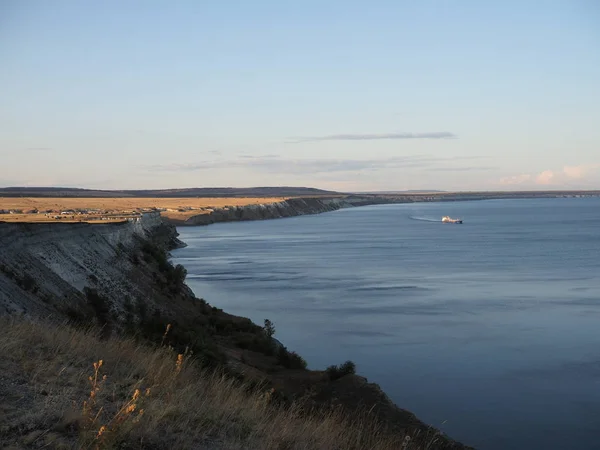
[463, 168]
[277, 164]
[580, 171]
[568, 174]
[375, 136]
[545, 177]
[515, 179]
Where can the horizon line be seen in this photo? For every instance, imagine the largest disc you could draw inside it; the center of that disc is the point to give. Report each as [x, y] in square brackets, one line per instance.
[379, 191]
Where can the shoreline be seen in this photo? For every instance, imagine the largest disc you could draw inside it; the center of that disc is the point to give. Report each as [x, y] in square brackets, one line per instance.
[363, 388]
[202, 210]
[294, 207]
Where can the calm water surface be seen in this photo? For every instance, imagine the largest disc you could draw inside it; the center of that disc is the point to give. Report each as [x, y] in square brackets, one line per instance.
[489, 330]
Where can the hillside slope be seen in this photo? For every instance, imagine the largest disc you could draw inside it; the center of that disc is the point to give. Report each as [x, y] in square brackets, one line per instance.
[117, 277]
[139, 396]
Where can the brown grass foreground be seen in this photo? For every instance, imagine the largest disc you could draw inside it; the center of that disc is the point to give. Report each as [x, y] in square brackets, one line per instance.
[66, 388]
[118, 206]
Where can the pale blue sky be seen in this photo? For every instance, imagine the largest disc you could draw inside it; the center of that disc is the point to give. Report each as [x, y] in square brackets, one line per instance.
[347, 95]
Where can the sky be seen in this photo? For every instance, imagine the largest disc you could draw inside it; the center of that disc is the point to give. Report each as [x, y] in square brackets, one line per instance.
[344, 95]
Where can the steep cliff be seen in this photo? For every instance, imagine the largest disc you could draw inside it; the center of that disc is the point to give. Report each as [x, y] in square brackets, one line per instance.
[44, 268]
[287, 208]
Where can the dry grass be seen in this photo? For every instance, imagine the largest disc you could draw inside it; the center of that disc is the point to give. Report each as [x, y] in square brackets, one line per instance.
[127, 204]
[121, 206]
[65, 388]
[41, 218]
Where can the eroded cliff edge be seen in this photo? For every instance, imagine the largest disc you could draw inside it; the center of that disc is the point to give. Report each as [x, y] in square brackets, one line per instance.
[287, 208]
[118, 276]
[45, 268]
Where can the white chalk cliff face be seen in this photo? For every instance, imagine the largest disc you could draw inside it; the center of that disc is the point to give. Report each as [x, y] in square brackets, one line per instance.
[287, 208]
[45, 267]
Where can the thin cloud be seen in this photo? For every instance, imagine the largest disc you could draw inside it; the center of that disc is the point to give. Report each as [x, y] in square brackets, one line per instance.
[462, 169]
[375, 136]
[275, 164]
[574, 171]
[564, 176]
[258, 156]
[516, 179]
[186, 167]
[38, 149]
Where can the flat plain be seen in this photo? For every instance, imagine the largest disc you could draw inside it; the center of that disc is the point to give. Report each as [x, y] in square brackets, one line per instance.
[79, 209]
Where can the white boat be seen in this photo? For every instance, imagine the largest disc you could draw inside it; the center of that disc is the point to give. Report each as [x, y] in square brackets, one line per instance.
[448, 219]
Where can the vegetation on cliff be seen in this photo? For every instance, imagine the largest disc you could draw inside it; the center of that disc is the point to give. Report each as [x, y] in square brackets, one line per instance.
[69, 388]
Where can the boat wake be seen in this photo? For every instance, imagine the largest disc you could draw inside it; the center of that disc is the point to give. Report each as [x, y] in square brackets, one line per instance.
[424, 219]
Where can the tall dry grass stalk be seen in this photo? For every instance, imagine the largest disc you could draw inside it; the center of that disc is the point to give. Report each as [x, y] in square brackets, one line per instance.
[155, 398]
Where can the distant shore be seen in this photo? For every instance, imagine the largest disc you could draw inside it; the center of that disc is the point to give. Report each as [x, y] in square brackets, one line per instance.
[317, 205]
[192, 208]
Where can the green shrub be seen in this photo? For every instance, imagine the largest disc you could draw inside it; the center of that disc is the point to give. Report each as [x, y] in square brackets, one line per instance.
[153, 252]
[179, 273]
[290, 360]
[269, 328]
[334, 372]
[175, 277]
[255, 343]
[159, 330]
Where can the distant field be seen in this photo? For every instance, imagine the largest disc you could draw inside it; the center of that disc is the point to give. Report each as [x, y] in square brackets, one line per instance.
[113, 209]
[221, 192]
